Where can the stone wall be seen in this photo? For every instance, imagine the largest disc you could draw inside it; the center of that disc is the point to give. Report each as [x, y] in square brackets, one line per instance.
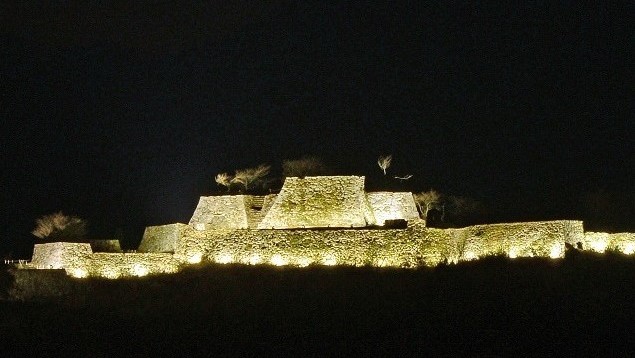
[220, 212]
[392, 206]
[320, 202]
[79, 261]
[268, 202]
[117, 265]
[601, 241]
[161, 238]
[58, 255]
[411, 247]
[546, 238]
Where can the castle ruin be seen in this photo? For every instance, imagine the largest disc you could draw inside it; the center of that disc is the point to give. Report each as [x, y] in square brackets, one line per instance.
[326, 220]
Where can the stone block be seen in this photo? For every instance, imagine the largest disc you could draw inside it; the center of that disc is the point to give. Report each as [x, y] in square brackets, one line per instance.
[221, 212]
[320, 202]
[59, 255]
[161, 238]
[393, 206]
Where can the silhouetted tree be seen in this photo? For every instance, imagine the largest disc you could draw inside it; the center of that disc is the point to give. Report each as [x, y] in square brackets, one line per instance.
[427, 200]
[304, 167]
[248, 176]
[57, 226]
[224, 179]
[384, 162]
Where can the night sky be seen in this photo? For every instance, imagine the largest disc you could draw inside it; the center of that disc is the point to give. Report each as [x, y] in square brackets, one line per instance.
[122, 113]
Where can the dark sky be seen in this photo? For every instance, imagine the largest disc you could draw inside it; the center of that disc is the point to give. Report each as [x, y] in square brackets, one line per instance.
[122, 114]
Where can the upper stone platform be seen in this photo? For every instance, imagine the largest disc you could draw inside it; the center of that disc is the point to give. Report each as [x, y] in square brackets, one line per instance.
[320, 202]
[309, 202]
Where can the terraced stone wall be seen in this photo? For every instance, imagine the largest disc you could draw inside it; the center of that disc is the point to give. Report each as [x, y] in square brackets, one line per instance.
[392, 206]
[320, 202]
[117, 265]
[411, 247]
[526, 239]
[221, 212]
[162, 238]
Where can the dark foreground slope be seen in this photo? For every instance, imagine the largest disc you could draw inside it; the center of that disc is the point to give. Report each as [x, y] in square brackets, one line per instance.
[583, 304]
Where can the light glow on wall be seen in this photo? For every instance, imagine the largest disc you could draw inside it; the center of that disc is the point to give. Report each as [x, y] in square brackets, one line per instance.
[470, 255]
[224, 258]
[557, 251]
[381, 262]
[79, 273]
[329, 260]
[139, 270]
[304, 262]
[629, 248]
[599, 245]
[195, 258]
[110, 273]
[513, 253]
[278, 260]
[254, 259]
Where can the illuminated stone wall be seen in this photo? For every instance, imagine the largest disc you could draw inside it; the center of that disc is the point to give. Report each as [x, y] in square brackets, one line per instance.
[161, 238]
[393, 205]
[305, 247]
[411, 247]
[268, 202]
[528, 239]
[117, 265]
[320, 202]
[58, 255]
[601, 241]
[79, 261]
[220, 212]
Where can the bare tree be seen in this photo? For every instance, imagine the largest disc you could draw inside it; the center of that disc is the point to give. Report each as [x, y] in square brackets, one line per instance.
[248, 176]
[224, 179]
[384, 162]
[304, 167]
[58, 226]
[427, 200]
[403, 177]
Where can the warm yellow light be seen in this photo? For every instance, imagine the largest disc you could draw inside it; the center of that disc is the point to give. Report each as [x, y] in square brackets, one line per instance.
[629, 248]
[139, 270]
[304, 262]
[598, 245]
[513, 253]
[170, 269]
[381, 262]
[224, 258]
[278, 260]
[470, 255]
[557, 251]
[386, 262]
[79, 273]
[195, 258]
[329, 260]
[254, 259]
